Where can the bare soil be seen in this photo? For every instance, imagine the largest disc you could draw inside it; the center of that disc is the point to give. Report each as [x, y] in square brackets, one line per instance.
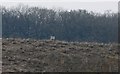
[29, 55]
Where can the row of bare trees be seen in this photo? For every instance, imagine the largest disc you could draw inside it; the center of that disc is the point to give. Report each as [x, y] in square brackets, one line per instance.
[74, 25]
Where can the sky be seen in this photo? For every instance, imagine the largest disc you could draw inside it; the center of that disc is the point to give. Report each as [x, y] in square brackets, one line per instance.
[54, 0]
[90, 5]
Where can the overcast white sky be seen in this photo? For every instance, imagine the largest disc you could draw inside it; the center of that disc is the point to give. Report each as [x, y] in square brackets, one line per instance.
[90, 5]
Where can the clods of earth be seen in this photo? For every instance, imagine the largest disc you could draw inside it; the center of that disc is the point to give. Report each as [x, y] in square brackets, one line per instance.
[30, 55]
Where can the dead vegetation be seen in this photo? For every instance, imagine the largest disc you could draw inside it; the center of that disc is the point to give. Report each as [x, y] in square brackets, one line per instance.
[28, 55]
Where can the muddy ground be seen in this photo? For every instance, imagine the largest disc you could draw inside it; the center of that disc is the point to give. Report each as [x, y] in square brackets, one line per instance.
[29, 55]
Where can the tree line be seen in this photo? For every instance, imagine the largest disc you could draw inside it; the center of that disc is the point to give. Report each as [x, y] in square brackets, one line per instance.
[73, 25]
